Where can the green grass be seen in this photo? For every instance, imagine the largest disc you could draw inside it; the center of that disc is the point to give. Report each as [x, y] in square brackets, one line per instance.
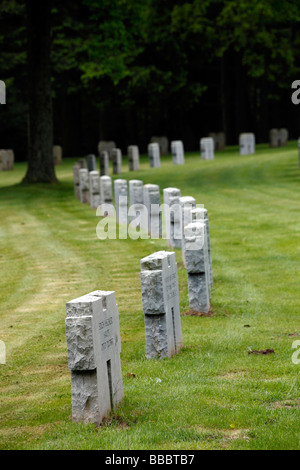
[213, 395]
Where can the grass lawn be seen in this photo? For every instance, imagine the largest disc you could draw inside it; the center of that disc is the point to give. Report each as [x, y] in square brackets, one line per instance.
[214, 394]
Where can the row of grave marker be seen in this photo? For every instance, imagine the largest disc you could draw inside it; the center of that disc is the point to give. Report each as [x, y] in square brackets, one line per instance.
[93, 333]
[158, 146]
[92, 321]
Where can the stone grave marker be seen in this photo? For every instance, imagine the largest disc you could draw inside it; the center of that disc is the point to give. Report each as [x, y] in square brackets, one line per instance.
[57, 154]
[173, 220]
[106, 145]
[116, 156]
[219, 139]
[106, 195]
[163, 143]
[133, 158]
[136, 201]
[274, 138]
[247, 143]
[160, 297]
[153, 203]
[177, 150]
[91, 162]
[84, 185]
[104, 163]
[201, 215]
[187, 203]
[197, 266]
[207, 148]
[121, 200]
[106, 191]
[7, 159]
[94, 348]
[154, 155]
[283, 136]
[95, 193]
[76, 169]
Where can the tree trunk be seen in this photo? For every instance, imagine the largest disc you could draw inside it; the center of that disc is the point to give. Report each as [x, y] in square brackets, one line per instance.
[40, 146]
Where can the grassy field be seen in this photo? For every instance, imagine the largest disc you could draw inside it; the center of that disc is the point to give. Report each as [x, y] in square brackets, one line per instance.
[214, 394]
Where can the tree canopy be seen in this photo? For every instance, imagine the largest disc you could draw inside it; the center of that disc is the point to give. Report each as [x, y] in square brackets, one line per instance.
[128, 70]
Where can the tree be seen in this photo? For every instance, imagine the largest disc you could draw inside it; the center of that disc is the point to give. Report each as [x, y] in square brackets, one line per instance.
[40, 147]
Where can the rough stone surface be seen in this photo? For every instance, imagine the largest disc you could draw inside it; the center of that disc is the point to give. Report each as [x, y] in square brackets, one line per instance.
[177, 150]
[154, 155]
[160, 297]
[94, 347]
[133, 158]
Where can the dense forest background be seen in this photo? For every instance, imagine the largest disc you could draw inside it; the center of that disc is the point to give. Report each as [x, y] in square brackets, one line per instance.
[130, 70]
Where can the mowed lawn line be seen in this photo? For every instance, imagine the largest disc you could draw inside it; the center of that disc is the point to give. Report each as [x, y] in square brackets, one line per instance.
[186, 435]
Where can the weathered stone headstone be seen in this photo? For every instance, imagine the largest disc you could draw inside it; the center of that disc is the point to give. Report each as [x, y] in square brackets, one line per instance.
[7, 159]
[177, 150]
[219, 140]
[163, 143]
[187, 203]
[116, 156]
[76, 169]
[247, 144]
[57, 154]
[107, 145]
[207, 148]
[106, 193]
[91, 162]
[106, 189]
[201, 215]
[154, 155]
[160, 297]
[173, 219]
[197, 266]
[121, 200]
[84, 185]
[136, 203]
[274, 138]
[133, 158]
[94, 348]
[153, 205]
[95, 193]
[283, 136]
[104, 163]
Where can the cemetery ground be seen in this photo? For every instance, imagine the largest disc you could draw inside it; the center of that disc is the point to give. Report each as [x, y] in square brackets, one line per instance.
[216, 393]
